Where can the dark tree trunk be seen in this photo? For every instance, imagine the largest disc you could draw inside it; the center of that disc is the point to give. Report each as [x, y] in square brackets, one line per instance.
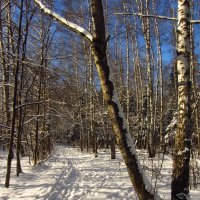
[124, 140]
[123, 137]
[112, 146]
[12, 131]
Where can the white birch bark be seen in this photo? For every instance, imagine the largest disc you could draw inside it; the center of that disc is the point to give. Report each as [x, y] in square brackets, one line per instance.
[127, 71]
[160, 69]
[181, 157]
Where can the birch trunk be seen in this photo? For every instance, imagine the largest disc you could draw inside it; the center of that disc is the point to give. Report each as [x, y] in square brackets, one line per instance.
[78, 96]
[139, 89]
[121, 71]
[125, 142]
[175, 77]
[150, 110]
[160, 69]
[181, 157]
[5, 67]
[127, 70]
[91, 107]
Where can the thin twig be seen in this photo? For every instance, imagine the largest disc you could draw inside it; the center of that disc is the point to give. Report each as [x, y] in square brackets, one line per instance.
[153, 16]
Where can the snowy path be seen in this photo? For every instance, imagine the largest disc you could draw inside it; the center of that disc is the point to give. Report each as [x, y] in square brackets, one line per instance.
[71, 175]
[87, 177]
[99, 178]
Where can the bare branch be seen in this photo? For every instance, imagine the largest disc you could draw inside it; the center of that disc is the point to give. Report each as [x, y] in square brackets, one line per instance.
[4, 126]
[195, 21]
[157, 16]
[72, 26]
[153, 16]
[29, 104]
[196, 103]
[5, 6]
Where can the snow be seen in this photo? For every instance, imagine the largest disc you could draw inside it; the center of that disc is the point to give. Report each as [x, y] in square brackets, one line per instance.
[129, 139]
[71, 175]
[71, 25]
[171, 129]
[130, 144]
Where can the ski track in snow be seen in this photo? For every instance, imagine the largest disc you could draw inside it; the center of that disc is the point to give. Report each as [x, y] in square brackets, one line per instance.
[87, 177]
[71, 175]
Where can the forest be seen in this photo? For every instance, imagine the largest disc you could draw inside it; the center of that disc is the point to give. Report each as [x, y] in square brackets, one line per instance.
[94, 76]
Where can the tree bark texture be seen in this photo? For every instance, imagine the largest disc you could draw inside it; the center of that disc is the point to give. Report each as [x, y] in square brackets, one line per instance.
[194, 95]
[181, 157]
[14, 103]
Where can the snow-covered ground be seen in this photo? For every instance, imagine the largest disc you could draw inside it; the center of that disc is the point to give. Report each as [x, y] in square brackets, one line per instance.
[71, 175]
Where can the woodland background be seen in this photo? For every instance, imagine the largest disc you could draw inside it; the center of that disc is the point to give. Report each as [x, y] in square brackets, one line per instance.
[50, 91]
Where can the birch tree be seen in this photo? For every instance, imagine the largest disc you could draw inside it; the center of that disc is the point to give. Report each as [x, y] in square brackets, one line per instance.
[160, 69]
[193, 70]
[126, 144]
[181, 157]
[144, 8]
[6, 69]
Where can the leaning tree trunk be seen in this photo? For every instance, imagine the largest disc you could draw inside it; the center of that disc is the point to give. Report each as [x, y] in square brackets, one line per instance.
[125, 142]
[123, 137]
[181, 157]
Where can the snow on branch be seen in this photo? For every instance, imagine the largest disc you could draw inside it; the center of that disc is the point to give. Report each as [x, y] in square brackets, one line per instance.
[72, 26]
[195, 21]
